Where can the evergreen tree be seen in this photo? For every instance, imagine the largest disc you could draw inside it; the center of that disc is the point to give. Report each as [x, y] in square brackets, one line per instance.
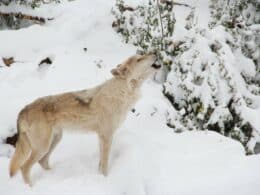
[212, 71]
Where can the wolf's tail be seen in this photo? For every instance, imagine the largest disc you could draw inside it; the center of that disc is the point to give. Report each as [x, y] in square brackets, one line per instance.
[21, 153]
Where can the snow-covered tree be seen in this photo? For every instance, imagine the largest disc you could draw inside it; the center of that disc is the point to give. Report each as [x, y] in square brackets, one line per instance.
[148, 27]
[212, 70]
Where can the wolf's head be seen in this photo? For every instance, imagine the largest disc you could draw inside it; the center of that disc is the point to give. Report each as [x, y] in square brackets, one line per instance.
[137, 67]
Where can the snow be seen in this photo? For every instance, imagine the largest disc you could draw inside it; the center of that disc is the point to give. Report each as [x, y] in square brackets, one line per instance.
[147, 157]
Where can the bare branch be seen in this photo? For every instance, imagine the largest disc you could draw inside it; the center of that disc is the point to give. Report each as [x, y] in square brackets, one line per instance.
[160, 15]
[20, 15]
[175, 3]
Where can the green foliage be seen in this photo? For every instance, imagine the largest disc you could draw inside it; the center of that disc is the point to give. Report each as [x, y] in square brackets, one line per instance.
[148, 27]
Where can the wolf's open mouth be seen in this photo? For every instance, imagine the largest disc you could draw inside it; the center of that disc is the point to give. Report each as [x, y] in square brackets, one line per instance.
[156, 66]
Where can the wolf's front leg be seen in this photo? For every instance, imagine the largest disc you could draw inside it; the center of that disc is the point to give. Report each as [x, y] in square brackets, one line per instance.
[105, 146]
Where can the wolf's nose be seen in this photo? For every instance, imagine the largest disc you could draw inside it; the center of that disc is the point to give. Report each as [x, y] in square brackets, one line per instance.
[156, 66]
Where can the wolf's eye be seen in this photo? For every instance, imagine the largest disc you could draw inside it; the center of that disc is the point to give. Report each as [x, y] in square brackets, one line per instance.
[139, 60]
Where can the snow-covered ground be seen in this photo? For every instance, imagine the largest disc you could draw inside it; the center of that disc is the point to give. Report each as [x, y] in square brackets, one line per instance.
[147, 157]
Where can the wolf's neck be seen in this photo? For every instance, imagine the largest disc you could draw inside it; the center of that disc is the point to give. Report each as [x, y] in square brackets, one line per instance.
[122, 87]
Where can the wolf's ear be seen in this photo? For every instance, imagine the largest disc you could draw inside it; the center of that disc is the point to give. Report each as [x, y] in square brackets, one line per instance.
[115, 72]
[119, 71]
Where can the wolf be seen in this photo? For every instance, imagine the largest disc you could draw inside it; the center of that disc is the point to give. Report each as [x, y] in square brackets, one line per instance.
[101, 109]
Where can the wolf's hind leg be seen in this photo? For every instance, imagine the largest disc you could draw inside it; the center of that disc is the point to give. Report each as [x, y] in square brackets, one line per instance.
[26, 168]
[39, 149]
[44, 161]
